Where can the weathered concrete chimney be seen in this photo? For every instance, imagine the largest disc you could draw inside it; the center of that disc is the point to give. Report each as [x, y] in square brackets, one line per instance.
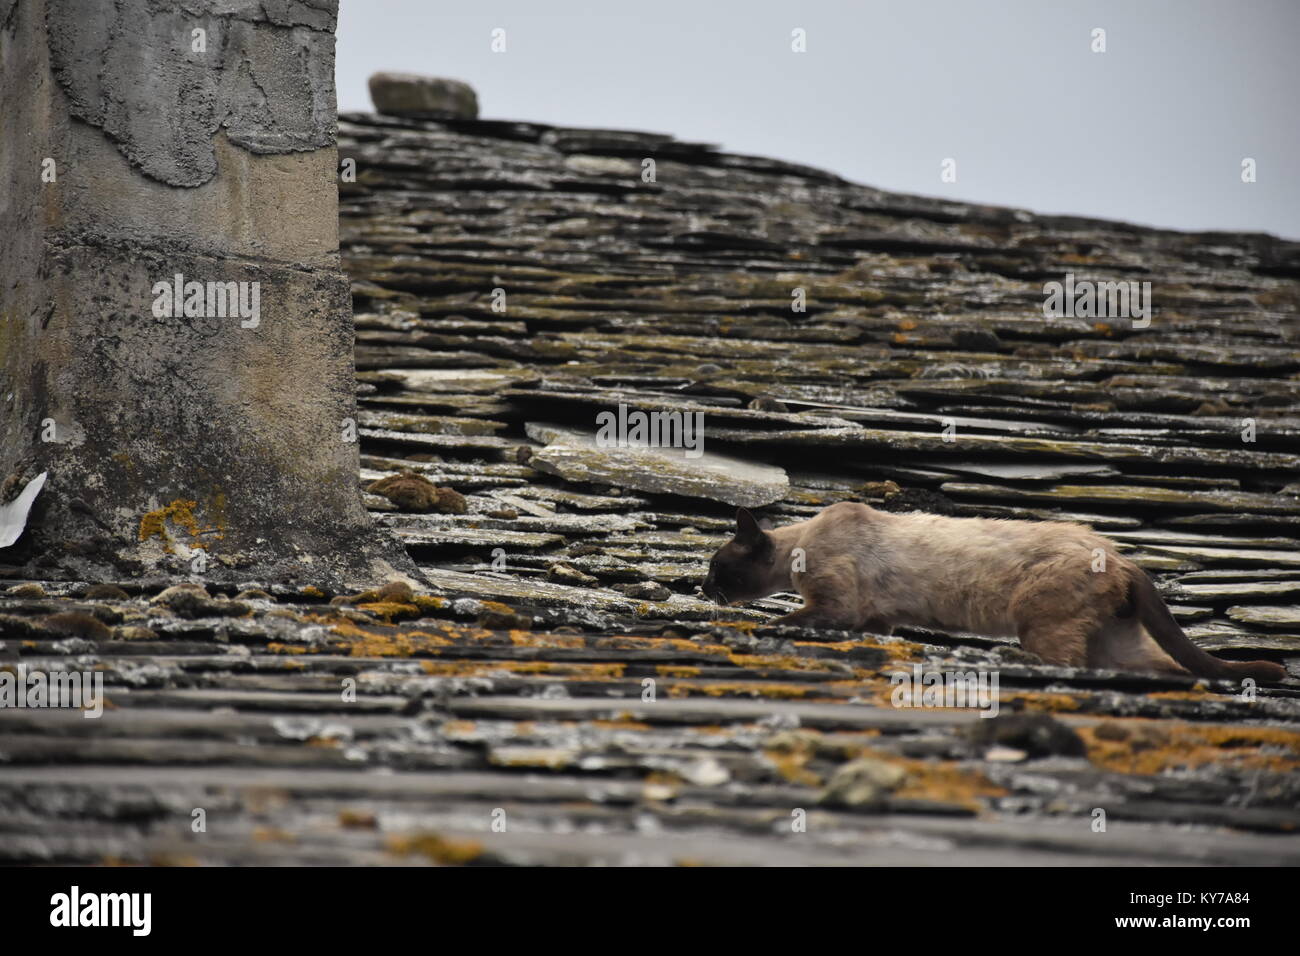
[175, 330]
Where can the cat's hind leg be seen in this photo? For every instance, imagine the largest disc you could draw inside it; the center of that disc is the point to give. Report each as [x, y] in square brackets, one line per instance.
[1061, 643]
[1124, 645]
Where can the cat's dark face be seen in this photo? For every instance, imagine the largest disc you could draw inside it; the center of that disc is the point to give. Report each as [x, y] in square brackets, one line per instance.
[742, 568]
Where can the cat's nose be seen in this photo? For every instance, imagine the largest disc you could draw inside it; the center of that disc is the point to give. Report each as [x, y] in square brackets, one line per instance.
[710, 591]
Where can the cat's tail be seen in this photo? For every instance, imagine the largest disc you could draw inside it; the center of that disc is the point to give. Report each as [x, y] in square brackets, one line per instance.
[1154, 615]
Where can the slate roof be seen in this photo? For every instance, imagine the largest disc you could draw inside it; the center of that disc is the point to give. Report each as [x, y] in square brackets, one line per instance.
[514, 687]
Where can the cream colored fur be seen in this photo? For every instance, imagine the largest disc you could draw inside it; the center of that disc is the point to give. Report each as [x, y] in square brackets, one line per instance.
[1061, 588]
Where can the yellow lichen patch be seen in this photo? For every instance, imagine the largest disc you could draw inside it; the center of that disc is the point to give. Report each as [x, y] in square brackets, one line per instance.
[529, 639]
[593, 671]
[625, 642]
[741, 689]
[771, 661]
[312, 591]
[943, 782]
[274, 647]
[437, 848]
[427, 603]
[671, 670]
[451, 633]
[1044, 703]
[1197, 694]
[897, 650]
[836, 646]
[790, 767]
[662, 778]
[357, 820]
[620, 724]
[362, 643]
[1152, 747]
[456, 668]
[711, 730]
[745, 627]
[217, 510]
[180, 513]
[272, 835]
[550, 668]
[933, 780]
[390, 611]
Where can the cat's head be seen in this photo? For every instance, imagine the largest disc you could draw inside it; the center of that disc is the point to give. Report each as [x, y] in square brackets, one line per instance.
[742, 569]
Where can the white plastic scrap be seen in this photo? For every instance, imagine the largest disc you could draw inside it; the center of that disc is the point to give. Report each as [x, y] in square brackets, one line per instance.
[13, 516]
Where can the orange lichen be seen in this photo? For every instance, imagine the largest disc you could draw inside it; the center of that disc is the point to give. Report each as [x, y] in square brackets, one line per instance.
[1197, 694]
[529, 639]
[741, 689]
[1152, 747]
[272, 835]
[790, 767]
[389, 611]
[357, 820]
[1044, 703]
[274, 647]
[180, 513]
[775, 661]
[590, 671]
[459, 727]
[435, 847]
[939, 781]
[359, 642]
[944, 783]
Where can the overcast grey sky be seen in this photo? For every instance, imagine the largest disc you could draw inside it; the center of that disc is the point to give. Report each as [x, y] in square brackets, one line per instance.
[1153, 131]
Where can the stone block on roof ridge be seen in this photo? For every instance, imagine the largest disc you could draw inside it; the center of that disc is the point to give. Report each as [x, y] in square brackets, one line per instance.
[414, 94]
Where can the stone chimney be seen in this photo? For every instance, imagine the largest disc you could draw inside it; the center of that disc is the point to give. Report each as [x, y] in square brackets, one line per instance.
[176, 337]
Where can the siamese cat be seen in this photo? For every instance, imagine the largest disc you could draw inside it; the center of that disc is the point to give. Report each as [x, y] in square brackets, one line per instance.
[1059, 587]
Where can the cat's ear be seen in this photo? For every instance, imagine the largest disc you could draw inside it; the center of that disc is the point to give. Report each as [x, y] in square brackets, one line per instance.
[748, 530]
